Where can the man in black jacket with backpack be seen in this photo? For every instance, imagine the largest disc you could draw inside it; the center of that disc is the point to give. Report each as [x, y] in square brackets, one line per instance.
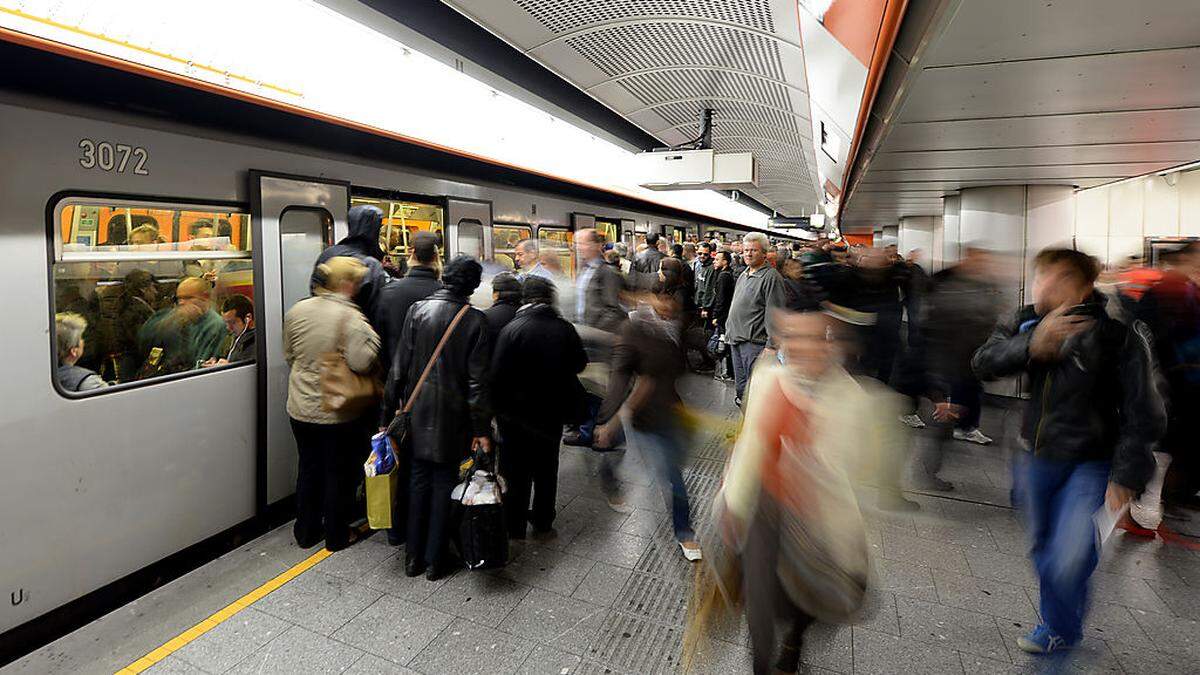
[1088, 429]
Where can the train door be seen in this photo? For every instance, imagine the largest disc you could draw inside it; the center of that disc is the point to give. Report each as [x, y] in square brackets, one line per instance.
[294, 218]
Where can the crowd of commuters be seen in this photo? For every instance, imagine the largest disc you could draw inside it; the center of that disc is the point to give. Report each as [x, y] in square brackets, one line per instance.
[836, 353]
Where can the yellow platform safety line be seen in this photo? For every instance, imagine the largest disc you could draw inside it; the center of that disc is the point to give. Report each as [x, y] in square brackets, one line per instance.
[176, 643]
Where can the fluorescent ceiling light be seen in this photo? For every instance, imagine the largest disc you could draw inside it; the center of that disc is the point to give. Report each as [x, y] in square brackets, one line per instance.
[302, 53]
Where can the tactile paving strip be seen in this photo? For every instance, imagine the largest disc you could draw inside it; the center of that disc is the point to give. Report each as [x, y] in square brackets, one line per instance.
[643, 632]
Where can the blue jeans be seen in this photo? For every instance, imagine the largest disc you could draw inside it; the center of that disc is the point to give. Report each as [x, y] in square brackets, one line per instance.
[665, 450]
[744, 355]
[1058, 500]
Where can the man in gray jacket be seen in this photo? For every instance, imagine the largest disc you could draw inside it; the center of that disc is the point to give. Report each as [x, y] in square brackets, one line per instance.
[758, 288]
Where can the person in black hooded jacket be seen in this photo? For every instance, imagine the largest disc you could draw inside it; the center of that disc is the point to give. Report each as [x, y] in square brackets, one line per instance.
[451, 416]
[1089, 425]
[363, 222]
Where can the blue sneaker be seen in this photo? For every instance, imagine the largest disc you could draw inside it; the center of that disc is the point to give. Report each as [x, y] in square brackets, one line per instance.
[1042, 640]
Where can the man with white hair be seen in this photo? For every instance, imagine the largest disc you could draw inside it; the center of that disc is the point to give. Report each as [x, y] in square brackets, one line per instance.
[529, 261]
[758, 288]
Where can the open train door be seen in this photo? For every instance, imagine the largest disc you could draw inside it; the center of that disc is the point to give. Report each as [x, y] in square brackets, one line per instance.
[294, 219]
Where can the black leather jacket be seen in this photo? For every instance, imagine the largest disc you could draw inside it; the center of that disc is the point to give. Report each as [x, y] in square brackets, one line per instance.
[453, 405]
[1098, 402]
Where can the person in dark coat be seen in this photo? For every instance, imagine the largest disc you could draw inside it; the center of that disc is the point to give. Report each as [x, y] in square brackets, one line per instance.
[506, 298]
[722, 301]
[1087, 432]
[397, 296]
[537, 358]
[363, 222]
[646, 262]
[391, 309]
[451, 417]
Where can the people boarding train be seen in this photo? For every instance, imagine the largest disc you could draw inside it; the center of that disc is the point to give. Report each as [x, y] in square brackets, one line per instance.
[451, 414]
[329, 467]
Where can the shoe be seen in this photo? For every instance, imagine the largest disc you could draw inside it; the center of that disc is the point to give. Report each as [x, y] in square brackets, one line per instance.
[1042, 641]
[789, 659]
[413, 567]
[439, 571]
[691, 550]
[898, 503]
[933, 484]
[619, 504]
[548, 534]
[576, 439]
[972, 436]
[914, 420]
[737, 402]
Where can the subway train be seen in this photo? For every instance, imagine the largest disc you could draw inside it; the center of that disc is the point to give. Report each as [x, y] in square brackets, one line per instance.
[113, 191]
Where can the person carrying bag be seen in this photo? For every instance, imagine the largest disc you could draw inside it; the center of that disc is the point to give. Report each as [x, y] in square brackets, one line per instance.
[439, 382]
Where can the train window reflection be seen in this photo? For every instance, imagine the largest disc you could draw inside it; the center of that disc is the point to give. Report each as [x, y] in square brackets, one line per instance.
[556, 246]
[149, 290]
[504, 242]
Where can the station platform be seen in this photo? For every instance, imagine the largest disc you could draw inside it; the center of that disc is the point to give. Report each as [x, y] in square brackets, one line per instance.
[953, 590]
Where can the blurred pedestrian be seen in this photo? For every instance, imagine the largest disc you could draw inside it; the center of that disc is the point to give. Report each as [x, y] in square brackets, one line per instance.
[1089, 425]
[960, 311]
[648, 360]
[329, 442]
[1171, 310]
[537, 358]
[787, 505]
[451, 417]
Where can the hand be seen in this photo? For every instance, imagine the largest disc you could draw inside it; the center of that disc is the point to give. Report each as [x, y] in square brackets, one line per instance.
[481, 443]
[1117, 496]
[604, 434]
[714, 322]
[947, 411]
[1052, 331]
[211, 276]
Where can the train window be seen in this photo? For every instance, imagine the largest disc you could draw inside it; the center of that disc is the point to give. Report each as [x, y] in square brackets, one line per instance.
[470, 238]
[505, 238]
[304, 232]
[402, 219]
[609, 229]
[557, 245]
[148, 290]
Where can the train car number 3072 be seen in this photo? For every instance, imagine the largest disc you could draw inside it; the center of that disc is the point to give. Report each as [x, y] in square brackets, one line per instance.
[113, 157]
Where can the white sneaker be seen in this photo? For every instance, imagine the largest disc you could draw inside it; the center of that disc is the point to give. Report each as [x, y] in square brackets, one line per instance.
[914, 420]
[691, 550]
[972, 436]
[619, 505]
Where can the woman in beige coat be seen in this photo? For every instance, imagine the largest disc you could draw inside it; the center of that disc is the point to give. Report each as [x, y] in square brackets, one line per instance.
[329, 463]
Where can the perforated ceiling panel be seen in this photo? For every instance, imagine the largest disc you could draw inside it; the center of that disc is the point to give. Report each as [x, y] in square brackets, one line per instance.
[659, 63]
[561, 16]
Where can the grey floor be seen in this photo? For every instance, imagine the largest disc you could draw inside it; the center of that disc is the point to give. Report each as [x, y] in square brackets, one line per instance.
[953, 590]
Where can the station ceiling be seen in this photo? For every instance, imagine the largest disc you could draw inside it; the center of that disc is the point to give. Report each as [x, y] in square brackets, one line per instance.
[659, 63]
[1065, 92]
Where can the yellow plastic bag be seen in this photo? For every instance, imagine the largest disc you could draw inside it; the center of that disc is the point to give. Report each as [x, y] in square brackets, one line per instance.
[381, 493]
